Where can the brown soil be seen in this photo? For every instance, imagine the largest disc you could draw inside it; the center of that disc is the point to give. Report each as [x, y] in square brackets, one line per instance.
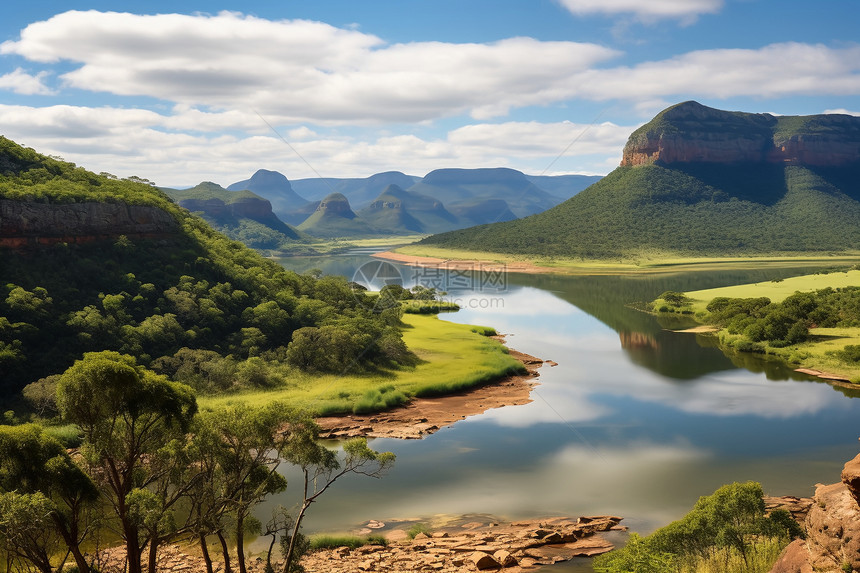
[463, 264]
[426, 415]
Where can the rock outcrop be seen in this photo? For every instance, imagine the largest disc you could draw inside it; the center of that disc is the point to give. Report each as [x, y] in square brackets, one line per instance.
[30, 223]
[832, 528]
[246, 207]
[693, 133]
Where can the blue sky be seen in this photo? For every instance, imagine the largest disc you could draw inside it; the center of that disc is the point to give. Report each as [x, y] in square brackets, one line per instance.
[180, 92]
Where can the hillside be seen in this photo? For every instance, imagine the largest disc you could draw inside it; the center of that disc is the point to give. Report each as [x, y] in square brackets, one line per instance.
[277, 189]
[360, 191]
[335, 218]
[92, 263]
[700, 181]
[400, 211]
[241, 215]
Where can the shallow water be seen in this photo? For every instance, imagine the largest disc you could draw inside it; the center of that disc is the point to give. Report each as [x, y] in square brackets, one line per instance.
[634, 421]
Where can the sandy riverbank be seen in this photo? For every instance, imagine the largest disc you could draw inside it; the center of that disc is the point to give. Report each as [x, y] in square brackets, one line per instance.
[427, 415]
[462, 264]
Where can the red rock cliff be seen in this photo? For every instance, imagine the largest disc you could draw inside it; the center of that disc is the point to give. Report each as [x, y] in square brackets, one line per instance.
[690, 132]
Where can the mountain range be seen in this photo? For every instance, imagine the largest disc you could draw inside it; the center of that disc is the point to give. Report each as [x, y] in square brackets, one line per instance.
[701, 181]
[396, 203]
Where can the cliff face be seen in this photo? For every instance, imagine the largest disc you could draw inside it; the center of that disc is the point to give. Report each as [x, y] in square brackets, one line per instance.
[247, 207]
[24, 223]
[690, 132]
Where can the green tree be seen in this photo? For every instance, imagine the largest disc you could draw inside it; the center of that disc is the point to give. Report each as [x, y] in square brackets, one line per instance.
[126, 413]
[321, 467]
[34, 464]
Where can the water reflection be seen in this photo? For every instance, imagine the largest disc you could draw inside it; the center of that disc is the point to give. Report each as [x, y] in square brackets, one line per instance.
[635, 420]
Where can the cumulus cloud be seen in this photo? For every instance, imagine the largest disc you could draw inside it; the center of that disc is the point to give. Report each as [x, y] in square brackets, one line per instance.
[684, 10]
[301, 70]
[20, 82]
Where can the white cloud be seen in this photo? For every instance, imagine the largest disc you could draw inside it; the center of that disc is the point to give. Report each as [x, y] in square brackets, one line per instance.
[20, 82]
[300, 70]
[648, 11]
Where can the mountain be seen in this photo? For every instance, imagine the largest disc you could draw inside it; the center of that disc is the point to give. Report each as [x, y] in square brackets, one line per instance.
[241, 215]
[277, 189]
[563, 186]
[470, 186]
[93, 263]
[399, 211]
[360, 191]
[701, 181]
[482, 211]
[335, 218]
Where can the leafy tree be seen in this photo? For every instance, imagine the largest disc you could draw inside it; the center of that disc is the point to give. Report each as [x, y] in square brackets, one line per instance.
[126, 413]
[43, 484]
[321, 467]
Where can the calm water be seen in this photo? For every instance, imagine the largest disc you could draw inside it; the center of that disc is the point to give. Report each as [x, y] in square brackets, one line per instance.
[635, 420]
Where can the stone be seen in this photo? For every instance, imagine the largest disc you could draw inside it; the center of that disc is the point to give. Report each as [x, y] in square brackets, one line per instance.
[851, 477]
[483, 561]
[793, 559]
[505, 558]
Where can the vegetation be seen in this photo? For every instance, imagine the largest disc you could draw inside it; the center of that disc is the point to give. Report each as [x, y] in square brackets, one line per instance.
[195, 306]
[318, 542]
[819, 328]
[157, 472]
[726, 531]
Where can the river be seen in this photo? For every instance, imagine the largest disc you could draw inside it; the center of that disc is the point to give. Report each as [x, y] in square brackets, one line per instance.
[635, 420]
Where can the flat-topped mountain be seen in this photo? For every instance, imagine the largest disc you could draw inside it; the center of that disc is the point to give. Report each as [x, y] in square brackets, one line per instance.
[241, 215]
[690, 132]
[401, 211]
[701, 181]
[276, 188]
[335, 218]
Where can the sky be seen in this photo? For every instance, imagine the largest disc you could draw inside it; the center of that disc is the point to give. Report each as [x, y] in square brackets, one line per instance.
[181, 91]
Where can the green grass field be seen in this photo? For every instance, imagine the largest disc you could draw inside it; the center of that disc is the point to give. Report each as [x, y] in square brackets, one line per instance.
[817, 352]
[651, 262]
[453, 358]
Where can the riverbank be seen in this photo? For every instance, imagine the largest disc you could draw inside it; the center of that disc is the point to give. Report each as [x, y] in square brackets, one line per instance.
[432, 257]
[422, 416]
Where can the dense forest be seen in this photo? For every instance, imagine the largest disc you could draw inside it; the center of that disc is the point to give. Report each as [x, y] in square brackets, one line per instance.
[690, 209]
[194, 305]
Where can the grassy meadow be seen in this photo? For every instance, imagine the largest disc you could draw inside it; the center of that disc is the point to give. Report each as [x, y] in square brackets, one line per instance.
[819, 351]
[453, 357]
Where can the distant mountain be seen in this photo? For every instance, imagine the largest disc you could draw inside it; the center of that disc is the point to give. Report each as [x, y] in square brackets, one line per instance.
[399, 211]
[335, 218]
[563, 186]
[276, 188]
[469, 186]
[701, 181]
[241, 215]
[360, 191]
[482, 211]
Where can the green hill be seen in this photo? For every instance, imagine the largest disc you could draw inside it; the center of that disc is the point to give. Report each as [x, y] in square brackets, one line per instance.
[697, 181]
[91, 263]
[399, 211]
[335, 218]
[241, 215]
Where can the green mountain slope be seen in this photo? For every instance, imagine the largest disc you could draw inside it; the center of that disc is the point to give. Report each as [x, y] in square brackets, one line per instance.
[335, 218]
[241, 215]
[399, 211]
[91, 263]
[703, 182]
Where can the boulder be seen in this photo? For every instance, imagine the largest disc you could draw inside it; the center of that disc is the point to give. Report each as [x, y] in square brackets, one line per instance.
[851, 477]
[483, 561]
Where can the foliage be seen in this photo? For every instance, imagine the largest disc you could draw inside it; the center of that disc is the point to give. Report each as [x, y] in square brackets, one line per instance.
[731, 521]
[194, 306]
[318, 542]
[418, 528]
[687, 210]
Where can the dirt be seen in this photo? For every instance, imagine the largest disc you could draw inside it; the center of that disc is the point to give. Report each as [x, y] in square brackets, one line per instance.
[423, 416]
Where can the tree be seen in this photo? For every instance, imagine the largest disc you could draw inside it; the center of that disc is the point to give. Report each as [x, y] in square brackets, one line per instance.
[126, 413]
[321, 467]
[43, 486]
[238, 447]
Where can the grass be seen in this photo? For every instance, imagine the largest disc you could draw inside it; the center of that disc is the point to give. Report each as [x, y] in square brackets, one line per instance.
[644, 263]
[418, 528]
[776, 291]
[819, 351]
[452, 358]
[760, 559]
[319, 542]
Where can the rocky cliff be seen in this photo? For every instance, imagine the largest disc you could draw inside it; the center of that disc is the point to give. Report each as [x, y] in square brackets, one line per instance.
[26, 223]
[246, 207]
[690, 132]
[832, 544]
